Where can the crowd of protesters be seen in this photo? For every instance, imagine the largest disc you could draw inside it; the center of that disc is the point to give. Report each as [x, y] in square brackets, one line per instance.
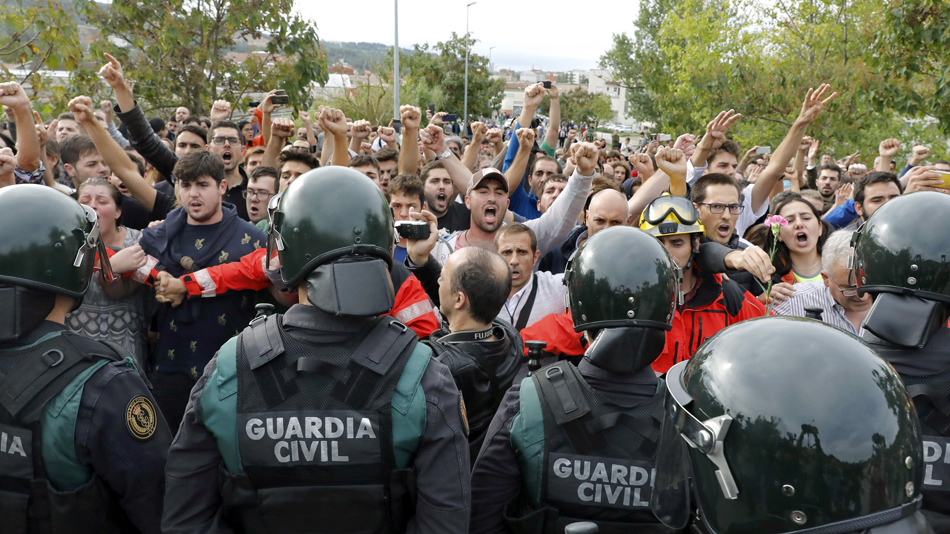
[183, 204]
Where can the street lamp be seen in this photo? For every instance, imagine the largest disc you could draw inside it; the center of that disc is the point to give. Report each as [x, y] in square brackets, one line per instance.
[465, 112]
[396, 62]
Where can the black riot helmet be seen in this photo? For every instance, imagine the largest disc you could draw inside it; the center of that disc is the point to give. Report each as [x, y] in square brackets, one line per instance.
[901, 257]
[622, 287]
[50, 247]
[787, 424]
[334, 230]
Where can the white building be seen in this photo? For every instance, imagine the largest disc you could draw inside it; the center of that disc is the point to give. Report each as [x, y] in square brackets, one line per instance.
[601, 82]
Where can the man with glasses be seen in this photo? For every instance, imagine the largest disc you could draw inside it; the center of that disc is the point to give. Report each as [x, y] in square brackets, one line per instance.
[839, 301]
[226, 140]
[261, 186]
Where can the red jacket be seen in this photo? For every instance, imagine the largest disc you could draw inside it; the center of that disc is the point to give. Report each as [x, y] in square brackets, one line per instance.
[715, 305]
[412, 306]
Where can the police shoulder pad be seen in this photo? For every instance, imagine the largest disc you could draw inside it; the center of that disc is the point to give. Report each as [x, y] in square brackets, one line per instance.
[141, 418]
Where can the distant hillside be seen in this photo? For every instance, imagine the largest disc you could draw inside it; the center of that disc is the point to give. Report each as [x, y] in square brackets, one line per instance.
[361, 56]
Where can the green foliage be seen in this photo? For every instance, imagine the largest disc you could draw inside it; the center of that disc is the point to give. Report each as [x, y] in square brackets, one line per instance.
[176, 51]
[41, 36]
[585, 108]
[691, 59]
[437, 76]
[909, 44]
[362, 56]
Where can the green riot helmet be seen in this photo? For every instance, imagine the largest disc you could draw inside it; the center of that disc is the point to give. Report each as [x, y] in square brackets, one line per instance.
[622, 285]
[787, 424]
[900, 256]
[50, 248]
[904, 247]
[333, 229]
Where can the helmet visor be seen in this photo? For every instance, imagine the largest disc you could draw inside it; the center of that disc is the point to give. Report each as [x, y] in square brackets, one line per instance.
[681, 429]
[662, 207]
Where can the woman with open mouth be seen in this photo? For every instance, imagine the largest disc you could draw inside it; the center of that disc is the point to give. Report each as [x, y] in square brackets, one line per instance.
[798, 252]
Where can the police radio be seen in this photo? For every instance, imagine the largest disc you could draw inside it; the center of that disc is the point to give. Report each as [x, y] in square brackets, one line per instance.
[535, 351]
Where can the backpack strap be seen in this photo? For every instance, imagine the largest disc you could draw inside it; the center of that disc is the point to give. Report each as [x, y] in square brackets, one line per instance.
[66, 354]
[373, 359]
[261, 344]
[562, 392]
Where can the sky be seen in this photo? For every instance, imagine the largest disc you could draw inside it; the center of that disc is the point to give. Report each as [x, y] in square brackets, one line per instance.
[574, 36]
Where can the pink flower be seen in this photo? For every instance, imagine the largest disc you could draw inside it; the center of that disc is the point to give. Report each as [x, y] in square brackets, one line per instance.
[776, 221]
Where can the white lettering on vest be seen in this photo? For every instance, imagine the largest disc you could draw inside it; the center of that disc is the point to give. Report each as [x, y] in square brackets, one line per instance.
[255, 429]
[15, 445]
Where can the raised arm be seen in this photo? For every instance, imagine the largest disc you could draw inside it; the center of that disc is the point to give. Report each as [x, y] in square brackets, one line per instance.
[361, 130]
[433, 138]
[714, 138]
[799, 165]
[333, 122]
[113, 155]
[281, 130]
[470, 157]
[554, 115]
[815, 101]
[554, 225]
[28, 145]
[267, 107]
[409, 153]
[887, 150]
[672, 162]
[515, 172]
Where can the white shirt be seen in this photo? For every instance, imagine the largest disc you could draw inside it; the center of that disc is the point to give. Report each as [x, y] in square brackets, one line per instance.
[819, 295]
[549, 299]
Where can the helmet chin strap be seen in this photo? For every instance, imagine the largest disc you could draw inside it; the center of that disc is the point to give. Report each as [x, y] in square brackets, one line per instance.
[680, 296]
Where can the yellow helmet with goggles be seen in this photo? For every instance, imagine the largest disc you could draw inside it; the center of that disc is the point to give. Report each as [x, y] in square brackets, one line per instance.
[671, 215]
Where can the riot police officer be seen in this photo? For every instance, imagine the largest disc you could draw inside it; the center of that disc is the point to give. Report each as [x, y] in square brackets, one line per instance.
[328, 418]
[577, 443]
[82, 445]
[900, 257]
[786, 424]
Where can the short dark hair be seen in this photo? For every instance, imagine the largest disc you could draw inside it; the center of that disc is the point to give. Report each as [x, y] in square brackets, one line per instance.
[113, 190]
[517, 228]
[296, 154]
[939, 162]
[224, 124]
[191, 119]
[409, 185]
[193, 129]
[830, 167]
[363, 160]
[136, 159]
[553, 178]
[424, 175]
[254, 150]
[698, 194]
[478, 278]
[876, 177]
[386, 154]
[76, 147]
[729, 147]
[197, 164]
[66, 115]
[265, 171]
[545, 157]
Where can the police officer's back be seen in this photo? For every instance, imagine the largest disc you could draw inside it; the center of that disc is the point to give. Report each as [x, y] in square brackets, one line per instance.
[900, 257]
[82, 446]
[328, 418]
[578, 443]
[786, 424]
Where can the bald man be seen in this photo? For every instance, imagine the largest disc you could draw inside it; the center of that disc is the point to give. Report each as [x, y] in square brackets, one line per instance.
[608, 207]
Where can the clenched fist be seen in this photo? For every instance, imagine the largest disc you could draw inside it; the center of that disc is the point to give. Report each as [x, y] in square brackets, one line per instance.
[585, 157]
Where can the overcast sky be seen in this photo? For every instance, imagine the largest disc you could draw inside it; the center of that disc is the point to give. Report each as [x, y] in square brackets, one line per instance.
[578, 32]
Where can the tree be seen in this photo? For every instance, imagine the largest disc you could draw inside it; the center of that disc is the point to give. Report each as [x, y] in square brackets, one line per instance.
[41, 37]
[909, 43]
[441, 72]
[177, 51]
[580, 107]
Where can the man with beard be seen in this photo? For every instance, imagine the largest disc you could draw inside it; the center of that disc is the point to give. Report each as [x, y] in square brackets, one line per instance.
[487, 198]
[829, 178]
[452, 216]
[203, 232]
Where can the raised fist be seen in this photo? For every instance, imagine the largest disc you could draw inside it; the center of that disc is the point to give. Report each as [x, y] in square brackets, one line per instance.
[525, 137]
[411, 117]
[585, 157]
[889, 148]
[282, 128]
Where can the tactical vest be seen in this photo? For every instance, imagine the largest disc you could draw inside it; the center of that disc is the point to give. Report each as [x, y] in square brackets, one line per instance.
[931, 394]
[598, 458]
[314, 426]
[29, 378]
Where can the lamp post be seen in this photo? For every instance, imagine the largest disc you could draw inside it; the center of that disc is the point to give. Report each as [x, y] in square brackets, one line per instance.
[490, 66]
[465, 111]
[396, 62]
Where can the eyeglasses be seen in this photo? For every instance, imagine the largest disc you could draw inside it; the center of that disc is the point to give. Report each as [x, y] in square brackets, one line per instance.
[849, 291]
[258, 194]
[734, 209]
[221, 140]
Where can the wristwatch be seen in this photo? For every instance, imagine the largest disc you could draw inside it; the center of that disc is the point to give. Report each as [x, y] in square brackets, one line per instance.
[447, 153]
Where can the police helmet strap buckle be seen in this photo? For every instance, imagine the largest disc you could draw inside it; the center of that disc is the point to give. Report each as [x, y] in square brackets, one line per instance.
[705, 436]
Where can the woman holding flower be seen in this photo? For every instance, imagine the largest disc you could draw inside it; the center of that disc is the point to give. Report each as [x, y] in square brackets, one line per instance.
[795, 244]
